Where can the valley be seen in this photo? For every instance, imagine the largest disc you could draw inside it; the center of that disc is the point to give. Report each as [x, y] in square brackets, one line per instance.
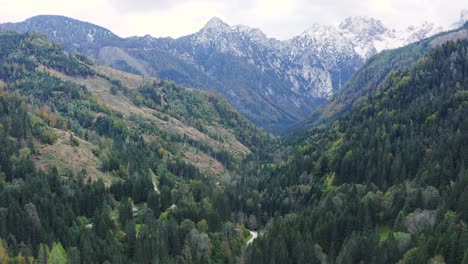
[156, 150]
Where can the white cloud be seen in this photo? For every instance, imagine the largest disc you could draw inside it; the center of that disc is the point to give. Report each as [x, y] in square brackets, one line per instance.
[278, 18]
[178, 20]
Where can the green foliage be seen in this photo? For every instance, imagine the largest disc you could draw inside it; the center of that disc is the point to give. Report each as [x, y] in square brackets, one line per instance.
[385, 182]
[202, 226]
[397, 156]
[116, 222]
[58, 255]
[33, 50]
[199, 110]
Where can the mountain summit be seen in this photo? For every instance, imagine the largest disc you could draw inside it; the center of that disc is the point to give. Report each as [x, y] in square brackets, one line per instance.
[215, 23]
[363, 26]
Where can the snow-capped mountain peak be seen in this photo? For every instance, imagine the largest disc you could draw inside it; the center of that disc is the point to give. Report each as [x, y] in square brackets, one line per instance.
[217, 28]
[370, 35]
[361, 32]
[426, 29]
[237, 40]
[215, 23]
[214, 33]
[362, 25]
[318, 31]
[461, 21]
[323, 39]
[464, 15]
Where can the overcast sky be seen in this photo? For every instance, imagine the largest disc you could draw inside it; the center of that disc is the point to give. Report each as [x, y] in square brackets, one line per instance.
[277, 18]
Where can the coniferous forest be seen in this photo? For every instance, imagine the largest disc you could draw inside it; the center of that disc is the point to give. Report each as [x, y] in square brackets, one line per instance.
[100, 166]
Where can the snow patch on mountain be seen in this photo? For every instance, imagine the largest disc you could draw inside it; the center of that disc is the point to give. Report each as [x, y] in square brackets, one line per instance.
[371, 36]
[314, 62]
[461, 21]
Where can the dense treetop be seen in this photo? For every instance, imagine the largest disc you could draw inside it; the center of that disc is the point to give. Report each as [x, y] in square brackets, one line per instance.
[98, 166]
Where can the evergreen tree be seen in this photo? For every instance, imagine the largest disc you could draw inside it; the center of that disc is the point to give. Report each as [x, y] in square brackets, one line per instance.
[58, 255]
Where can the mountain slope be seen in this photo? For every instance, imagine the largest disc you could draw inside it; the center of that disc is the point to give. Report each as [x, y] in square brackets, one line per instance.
[237, 59]
[73, 34]
[367, 79]
[385, 183]
[94, 162]
[273, 83]
[196, 118]
[175, 175]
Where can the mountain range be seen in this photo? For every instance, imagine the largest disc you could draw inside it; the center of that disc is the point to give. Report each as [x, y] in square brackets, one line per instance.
[274, 83]
[99, 165]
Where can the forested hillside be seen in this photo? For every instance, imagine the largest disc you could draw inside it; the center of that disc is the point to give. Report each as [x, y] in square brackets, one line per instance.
[366, 80]
[97, 165]
[101, 166]
[386, 182]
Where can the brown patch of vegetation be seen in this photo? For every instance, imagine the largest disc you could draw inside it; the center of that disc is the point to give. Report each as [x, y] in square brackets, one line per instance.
[119, 102]
[204, 162]
[69, 158]
[128, 80]
[123, 105]
[230, 142]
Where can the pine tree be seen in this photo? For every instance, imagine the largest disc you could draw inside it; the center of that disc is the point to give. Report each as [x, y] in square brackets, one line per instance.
[74, 256]
[58, 255]
[125, 211]
[43, 255]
